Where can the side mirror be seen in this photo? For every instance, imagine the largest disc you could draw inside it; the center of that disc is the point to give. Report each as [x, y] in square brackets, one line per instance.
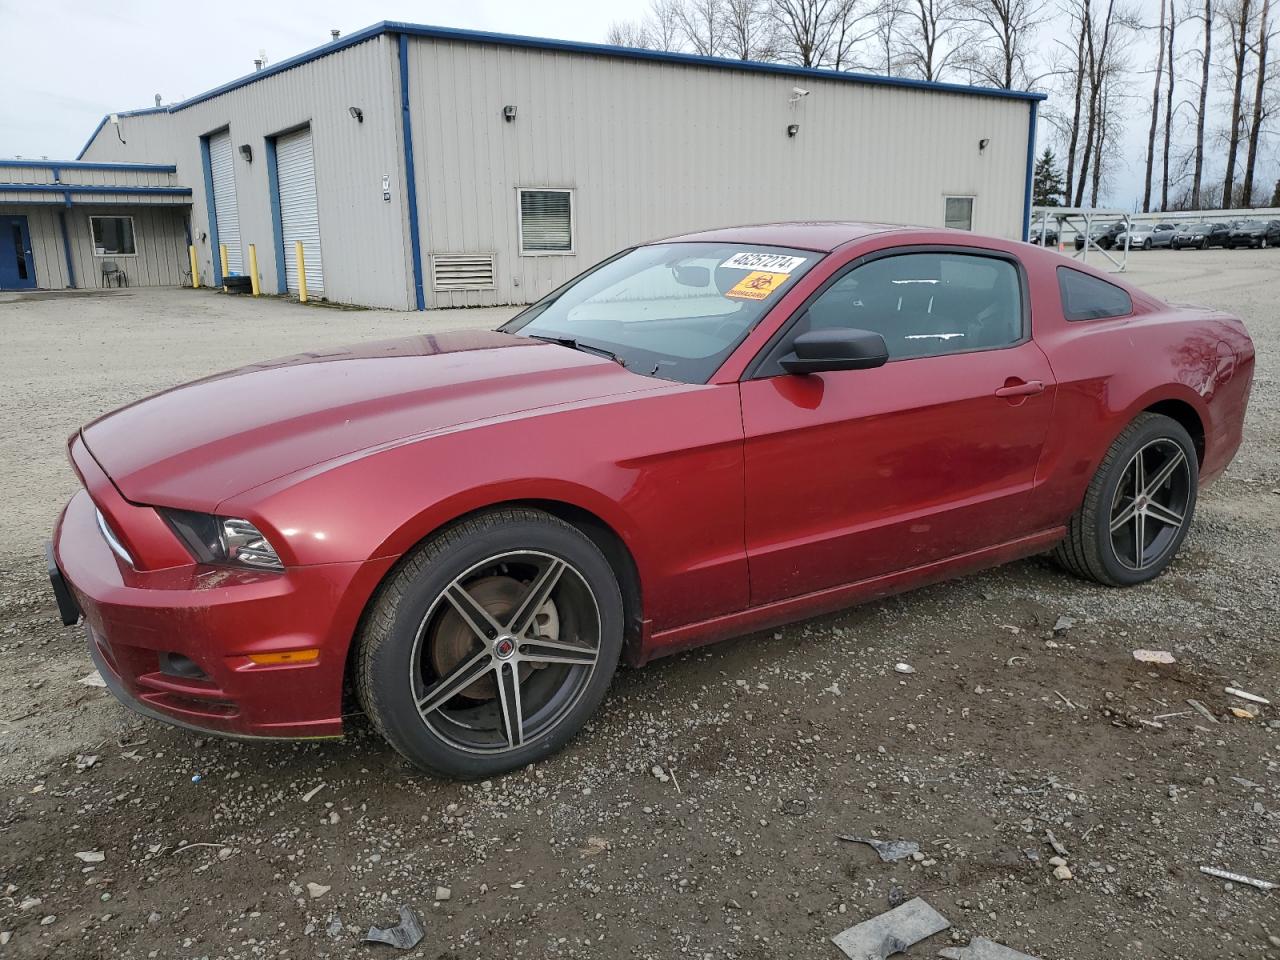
[839, 349]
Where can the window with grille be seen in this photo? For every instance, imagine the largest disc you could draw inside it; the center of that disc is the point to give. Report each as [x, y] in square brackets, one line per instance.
[546, 222]
[959, 213]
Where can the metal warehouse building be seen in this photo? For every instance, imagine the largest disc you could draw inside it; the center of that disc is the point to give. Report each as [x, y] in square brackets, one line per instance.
[430, 167]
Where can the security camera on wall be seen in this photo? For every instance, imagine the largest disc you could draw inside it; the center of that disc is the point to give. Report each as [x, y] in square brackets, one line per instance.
[798, 93]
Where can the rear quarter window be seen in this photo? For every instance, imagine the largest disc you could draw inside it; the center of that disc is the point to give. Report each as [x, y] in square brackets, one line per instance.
[1085, 297]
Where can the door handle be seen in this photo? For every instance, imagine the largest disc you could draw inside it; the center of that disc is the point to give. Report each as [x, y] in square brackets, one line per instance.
[1023, 388]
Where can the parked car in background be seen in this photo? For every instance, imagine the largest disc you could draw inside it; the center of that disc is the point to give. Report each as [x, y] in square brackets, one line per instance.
[1201, 235]
[1102, 234]
[698, 438]
[1255, 233]
[1146, 236]
[1049, 236]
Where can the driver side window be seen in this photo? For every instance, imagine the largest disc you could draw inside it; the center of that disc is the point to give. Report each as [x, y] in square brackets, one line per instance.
[926, 304]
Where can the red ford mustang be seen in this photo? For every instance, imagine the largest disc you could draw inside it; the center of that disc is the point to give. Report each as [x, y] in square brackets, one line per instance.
[696, 438]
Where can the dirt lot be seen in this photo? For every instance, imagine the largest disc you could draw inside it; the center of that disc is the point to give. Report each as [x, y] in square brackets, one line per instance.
[775, 743]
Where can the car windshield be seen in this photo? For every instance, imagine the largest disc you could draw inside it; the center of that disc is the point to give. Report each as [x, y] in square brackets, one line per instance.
[1201, 228]
[669, 310]
[1249, 225]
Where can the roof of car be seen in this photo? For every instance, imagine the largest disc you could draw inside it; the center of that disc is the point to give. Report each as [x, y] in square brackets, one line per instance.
[823, 235]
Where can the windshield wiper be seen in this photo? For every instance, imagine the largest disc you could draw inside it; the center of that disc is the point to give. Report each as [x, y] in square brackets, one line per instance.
[573, 344]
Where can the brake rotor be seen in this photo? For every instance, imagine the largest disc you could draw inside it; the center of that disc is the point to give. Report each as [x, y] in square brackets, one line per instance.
[452, 641]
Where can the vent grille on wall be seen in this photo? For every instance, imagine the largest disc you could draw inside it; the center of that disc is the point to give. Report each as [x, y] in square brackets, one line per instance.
[462, 271]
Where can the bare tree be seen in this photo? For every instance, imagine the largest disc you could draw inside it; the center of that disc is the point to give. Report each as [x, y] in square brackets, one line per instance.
[1155, 113]
[852, 25]
[1259, 107]
[927, 31]
[803, 30]
[1081, 23]
[1168, 107]
[629, 33]
[1206, 57]
[1003, 31]
[701, 25]
[1236, 17]
[884, 35]
[746, 32]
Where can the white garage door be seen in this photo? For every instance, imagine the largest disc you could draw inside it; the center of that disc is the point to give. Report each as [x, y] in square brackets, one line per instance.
[225, 212]
[299, 218]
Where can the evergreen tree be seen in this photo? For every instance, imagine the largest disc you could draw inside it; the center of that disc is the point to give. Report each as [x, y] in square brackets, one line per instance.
[1047, 188]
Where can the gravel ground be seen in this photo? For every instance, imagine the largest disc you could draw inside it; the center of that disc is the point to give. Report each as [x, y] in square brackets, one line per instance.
[768, 746]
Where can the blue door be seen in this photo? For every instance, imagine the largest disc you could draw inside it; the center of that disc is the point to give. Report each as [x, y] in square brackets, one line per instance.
[17, 271]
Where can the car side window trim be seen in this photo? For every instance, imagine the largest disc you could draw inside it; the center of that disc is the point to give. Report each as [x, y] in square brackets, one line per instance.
[765, 363]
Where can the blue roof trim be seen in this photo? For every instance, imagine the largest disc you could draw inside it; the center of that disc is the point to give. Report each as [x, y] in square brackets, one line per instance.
[69, 188]
[568, 46]
[90, 165]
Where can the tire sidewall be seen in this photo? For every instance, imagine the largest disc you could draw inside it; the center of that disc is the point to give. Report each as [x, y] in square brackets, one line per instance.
[390, 666]
[1157, 428]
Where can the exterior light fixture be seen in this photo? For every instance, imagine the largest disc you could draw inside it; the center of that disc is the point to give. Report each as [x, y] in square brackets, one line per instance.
[509, 113]
[982, 144]
[793, 129]
[356, 114]
[246, 151]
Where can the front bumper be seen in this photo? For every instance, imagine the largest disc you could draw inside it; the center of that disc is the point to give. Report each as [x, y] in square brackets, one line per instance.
[175, 643]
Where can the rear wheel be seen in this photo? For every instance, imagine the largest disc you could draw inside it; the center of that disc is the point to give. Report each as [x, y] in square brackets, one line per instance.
[491, 645]
[1138, 507]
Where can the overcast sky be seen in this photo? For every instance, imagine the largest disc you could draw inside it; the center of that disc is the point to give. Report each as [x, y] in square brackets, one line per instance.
[63, 65]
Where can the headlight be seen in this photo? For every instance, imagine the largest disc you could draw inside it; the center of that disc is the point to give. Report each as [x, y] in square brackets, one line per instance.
[223, 540]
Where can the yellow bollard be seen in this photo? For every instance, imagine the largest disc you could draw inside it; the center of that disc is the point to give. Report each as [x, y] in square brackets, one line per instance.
[222, 254]
[253, 270]
[195, 269]
[302, 271]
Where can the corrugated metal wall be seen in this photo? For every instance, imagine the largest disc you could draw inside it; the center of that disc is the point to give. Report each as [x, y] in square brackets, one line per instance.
[159, 235]
[366, 256]
[654, 149]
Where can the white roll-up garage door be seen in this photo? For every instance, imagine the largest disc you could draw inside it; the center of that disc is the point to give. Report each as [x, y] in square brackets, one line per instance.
[225, 212]
[299, 216]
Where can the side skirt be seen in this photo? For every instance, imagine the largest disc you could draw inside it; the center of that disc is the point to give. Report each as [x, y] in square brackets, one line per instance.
[815, 604]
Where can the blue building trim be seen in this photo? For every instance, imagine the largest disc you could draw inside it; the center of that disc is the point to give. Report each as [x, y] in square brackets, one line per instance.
[70, 188]
[1031, 171]
[58, 165]
[213, 216]
[66, 249]
[277, 221]
[410, 177]
[566, 46]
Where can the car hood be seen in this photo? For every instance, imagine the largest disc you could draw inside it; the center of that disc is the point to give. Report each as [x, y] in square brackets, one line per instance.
[196, 445]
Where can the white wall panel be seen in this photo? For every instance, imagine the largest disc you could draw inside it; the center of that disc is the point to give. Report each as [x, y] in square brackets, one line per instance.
[653, 149]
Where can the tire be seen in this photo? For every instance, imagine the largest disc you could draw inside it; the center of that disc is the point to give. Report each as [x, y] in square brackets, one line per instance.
[1146, 245]
[1204, 244]
[415, 643]
[1090, 550]
[1263, 244]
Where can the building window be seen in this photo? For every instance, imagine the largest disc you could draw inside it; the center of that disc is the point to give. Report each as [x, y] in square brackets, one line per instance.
[546, 222]
[959, 213]
[112, 236]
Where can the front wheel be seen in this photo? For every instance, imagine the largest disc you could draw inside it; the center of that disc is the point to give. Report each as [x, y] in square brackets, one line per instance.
[1146, 245]
[1263, 244]
[1137, 508]
[491, 645]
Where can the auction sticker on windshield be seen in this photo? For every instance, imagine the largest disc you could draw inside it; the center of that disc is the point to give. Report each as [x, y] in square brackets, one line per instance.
[757, 285]
[748, 260]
